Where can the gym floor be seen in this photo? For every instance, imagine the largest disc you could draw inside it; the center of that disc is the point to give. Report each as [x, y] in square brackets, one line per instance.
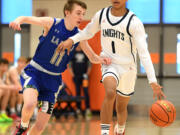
[135, 126]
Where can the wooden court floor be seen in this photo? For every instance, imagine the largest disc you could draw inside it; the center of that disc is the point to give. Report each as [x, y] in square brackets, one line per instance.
[71, 126]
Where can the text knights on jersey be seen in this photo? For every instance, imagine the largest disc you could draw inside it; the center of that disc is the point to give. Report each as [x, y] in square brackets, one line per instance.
[113, 33]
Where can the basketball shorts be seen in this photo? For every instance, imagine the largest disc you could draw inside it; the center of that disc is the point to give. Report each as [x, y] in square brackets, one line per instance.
[48, 86]
[125, 76]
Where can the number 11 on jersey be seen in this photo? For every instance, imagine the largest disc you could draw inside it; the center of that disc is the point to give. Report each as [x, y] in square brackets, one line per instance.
[113, 47]
[56, 58]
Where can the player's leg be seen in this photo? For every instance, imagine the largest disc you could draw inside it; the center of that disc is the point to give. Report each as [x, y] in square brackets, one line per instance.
[12, 103]
[19, 103]
[86, 94]
[78, 82]
[106, 113]
[124, 90]
[46, 102]
[4, 102]
[30, 101]
[40, 124]
[110, 81]
[5, 99]
[121, 109]
[30, 96]
[42, 119]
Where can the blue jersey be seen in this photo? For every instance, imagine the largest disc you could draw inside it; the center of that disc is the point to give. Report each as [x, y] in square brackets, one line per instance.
[44, 71]
[46, 55]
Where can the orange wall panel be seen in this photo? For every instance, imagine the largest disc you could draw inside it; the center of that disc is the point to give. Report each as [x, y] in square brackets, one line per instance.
[155, 58]
[170, 58]
[9, 56]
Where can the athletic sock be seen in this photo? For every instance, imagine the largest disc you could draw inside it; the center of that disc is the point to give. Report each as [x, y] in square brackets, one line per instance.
[12, 110]
[105, 129]
[19, 107]
[3, 112]
[24, 125]
[120, 129]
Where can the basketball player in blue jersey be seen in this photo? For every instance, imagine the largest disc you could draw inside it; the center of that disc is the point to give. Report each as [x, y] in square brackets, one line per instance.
[41, 79]
[122, 36]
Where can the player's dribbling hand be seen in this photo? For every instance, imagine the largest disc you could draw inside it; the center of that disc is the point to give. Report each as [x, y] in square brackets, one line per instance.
[157, 91]
[65, 45]
[16, 24]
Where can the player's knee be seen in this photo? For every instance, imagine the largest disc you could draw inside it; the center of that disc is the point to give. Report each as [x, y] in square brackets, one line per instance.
[110, 94]
[30, 105]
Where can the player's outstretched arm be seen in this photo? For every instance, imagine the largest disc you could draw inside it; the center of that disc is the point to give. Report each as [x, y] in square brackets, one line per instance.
[87, 33]
[45, 22]
[139, 38]
[94, 58]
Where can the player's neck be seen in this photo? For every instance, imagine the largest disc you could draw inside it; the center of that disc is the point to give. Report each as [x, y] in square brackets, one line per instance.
[68, 24]
[118, 12]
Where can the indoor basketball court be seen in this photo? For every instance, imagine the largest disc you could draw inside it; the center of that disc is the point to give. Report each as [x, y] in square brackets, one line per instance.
[71, 116]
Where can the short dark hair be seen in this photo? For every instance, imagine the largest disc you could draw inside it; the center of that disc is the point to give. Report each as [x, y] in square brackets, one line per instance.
[70, 3]
[4, 61]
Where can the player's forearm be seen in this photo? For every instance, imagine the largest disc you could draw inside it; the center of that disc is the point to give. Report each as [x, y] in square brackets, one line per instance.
[26, 19]
[149, 70]
[40, 21]
[95, 59]
[147, 63]
[89, 31]
[82, 35]
[139, 39]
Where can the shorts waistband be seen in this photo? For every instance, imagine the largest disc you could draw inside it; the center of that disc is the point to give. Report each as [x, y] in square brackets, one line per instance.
[37, 66]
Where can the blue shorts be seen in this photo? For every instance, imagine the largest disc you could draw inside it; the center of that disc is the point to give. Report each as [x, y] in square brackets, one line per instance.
[46, 85]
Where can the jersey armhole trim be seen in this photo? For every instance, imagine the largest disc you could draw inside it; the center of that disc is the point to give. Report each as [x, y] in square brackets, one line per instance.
[128, 25]
[54, 23]
[50, 31]
[100, 17]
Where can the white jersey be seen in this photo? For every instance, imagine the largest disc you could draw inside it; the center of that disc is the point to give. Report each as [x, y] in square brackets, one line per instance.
[115, 39]
[121, 39]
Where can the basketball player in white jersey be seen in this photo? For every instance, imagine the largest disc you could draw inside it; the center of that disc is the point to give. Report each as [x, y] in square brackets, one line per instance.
[122, 36]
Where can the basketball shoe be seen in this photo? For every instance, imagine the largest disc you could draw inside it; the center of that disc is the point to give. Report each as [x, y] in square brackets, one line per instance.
[20, 130]
[14, 117]
[117, 131]
[5, 118]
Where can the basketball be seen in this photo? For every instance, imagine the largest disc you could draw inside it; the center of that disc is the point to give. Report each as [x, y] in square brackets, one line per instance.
[162, 113]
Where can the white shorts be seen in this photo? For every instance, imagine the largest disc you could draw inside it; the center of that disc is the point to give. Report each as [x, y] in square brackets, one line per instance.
[125, 76]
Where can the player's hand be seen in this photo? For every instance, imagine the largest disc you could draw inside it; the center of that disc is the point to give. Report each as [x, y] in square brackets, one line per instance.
[65, 45]
[105, 60]
[157, 91]
[16, 24]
